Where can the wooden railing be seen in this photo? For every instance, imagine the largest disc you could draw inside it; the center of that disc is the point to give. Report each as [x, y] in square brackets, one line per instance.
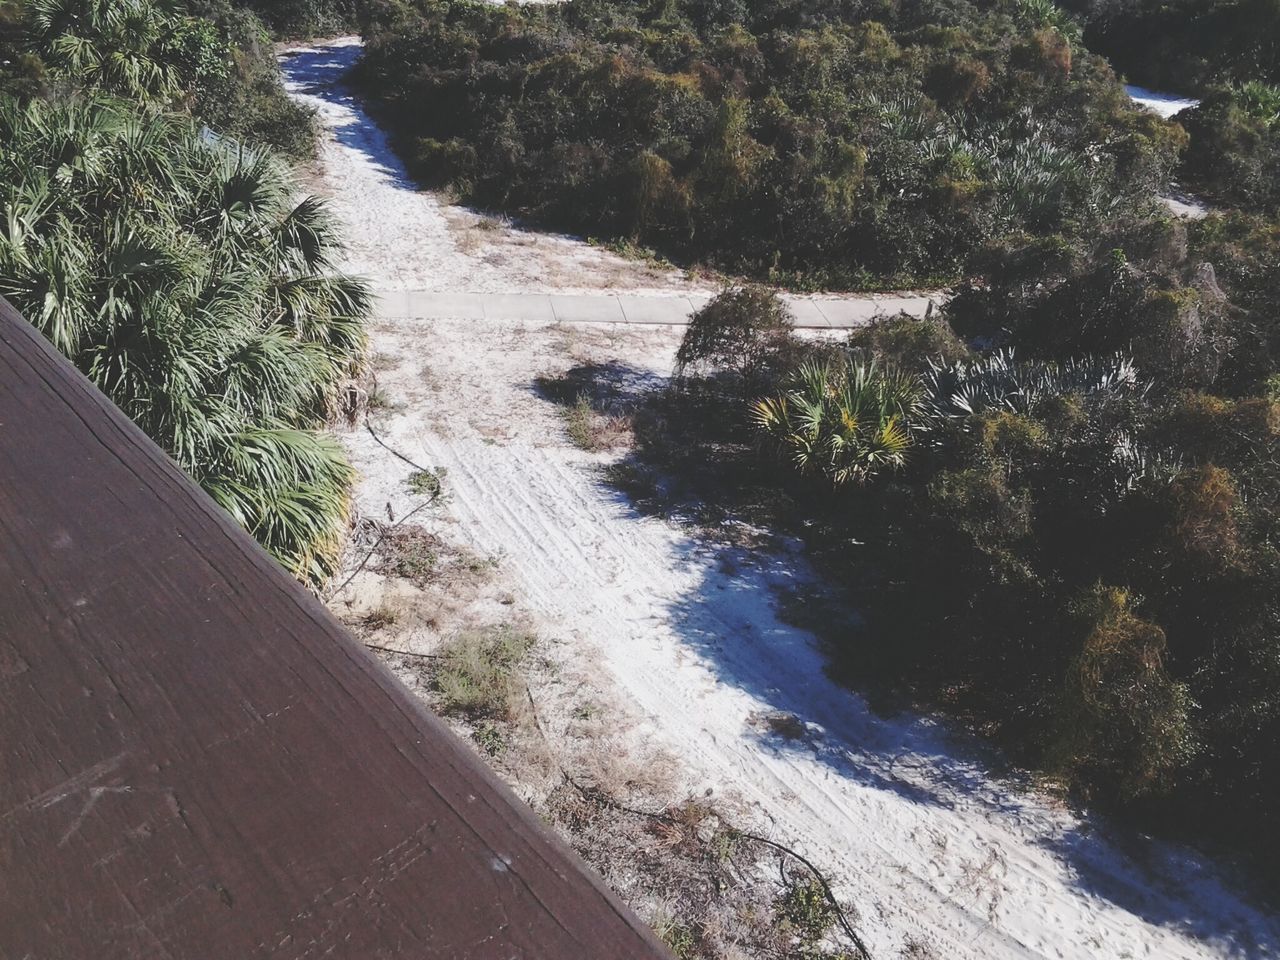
[197, 761]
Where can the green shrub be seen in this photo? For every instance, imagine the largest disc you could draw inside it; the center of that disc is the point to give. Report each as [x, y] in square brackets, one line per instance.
[1122, 718]
[218, 325]
[477, 674]
[824, 146]
[845, 421]
[744, 331]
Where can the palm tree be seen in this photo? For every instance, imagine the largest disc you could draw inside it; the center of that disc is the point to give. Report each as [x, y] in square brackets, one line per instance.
[113, 45]
[180, 274]
[846, 420]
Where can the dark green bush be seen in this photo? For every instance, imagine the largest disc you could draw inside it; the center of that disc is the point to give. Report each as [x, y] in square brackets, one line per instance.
[817, 145]
[744, 332]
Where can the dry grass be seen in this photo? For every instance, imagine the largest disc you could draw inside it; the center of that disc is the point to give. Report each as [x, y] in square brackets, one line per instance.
[380, 618]
[592, 430]
[477, 675]
[708, 891]
[558, 739]
[419, 556]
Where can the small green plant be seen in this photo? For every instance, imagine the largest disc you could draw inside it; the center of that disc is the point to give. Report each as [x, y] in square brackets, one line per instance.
[590, 429]
[488, 737]
[412, 554]
[478, 674]
[578, 420]
[805, 913]
[379, 618]
[679, 937]
[426, 483]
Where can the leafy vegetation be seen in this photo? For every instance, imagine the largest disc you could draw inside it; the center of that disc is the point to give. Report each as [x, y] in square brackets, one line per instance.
[1233, 156]
[813, 144]
[476, 676]
[177, 267]
[846, 421]
[1070, 540]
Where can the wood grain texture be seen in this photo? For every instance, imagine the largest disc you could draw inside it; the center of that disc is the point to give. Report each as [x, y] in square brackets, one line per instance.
[197, 760]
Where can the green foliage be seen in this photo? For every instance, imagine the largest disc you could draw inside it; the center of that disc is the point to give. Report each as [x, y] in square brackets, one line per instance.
[1045, 14]
[1121, 713]
[1001, 381]
[1186, 45]
[426, 483]
[477, 676]
[815, 145]
[22, 72]
[125, 47]
[306, 18]
[745, 332]
[184, 277]
[905, 339]
[805, 915]
[846, 421]
[245, 98]
[1234, 152]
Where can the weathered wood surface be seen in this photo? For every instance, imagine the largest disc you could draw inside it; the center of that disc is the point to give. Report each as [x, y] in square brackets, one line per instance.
[199, 762]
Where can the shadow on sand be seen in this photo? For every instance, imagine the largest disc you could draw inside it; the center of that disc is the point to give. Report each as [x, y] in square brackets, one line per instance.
[733, 623]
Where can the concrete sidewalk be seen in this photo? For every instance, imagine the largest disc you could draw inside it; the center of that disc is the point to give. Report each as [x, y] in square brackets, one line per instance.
[823, 313]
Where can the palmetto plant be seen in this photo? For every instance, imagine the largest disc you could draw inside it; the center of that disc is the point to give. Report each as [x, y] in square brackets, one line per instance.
[113, 45]
[1045, 14]
[182, 276]
[1259, 100]
[845, 420]
[1002, 381]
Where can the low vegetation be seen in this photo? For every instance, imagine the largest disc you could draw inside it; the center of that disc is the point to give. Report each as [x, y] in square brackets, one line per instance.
[1074, 551]
[811, 144]
[477, 675]
[1233, 157]
[178, 267]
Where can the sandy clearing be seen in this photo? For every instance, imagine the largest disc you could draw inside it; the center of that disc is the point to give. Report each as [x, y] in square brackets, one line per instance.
[1165, 104]
[941, 858]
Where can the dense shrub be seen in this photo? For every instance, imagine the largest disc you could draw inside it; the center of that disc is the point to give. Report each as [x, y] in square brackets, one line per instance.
[177, 267]
[1233, 157]
[1075, 549]
[744, 332]
[187, 280]
[818, 144]
[306, 18]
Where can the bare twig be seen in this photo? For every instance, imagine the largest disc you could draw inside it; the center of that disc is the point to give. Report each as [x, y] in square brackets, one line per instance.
[385, 531]
[596, 795]
[404, 653]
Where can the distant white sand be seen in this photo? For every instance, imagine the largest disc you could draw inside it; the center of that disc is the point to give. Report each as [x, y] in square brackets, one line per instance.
[1165, 104]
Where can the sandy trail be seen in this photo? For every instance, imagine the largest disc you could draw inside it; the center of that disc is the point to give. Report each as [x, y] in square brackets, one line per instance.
[941, 859]
[403, 238]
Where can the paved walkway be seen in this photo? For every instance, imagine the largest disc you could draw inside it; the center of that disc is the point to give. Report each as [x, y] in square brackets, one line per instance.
[824, 313]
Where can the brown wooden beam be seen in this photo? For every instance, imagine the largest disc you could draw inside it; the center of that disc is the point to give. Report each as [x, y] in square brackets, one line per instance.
[197, 761]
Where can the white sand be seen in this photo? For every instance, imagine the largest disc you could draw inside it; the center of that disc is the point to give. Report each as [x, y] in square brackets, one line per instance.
[941, 858]
[1165, 104]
